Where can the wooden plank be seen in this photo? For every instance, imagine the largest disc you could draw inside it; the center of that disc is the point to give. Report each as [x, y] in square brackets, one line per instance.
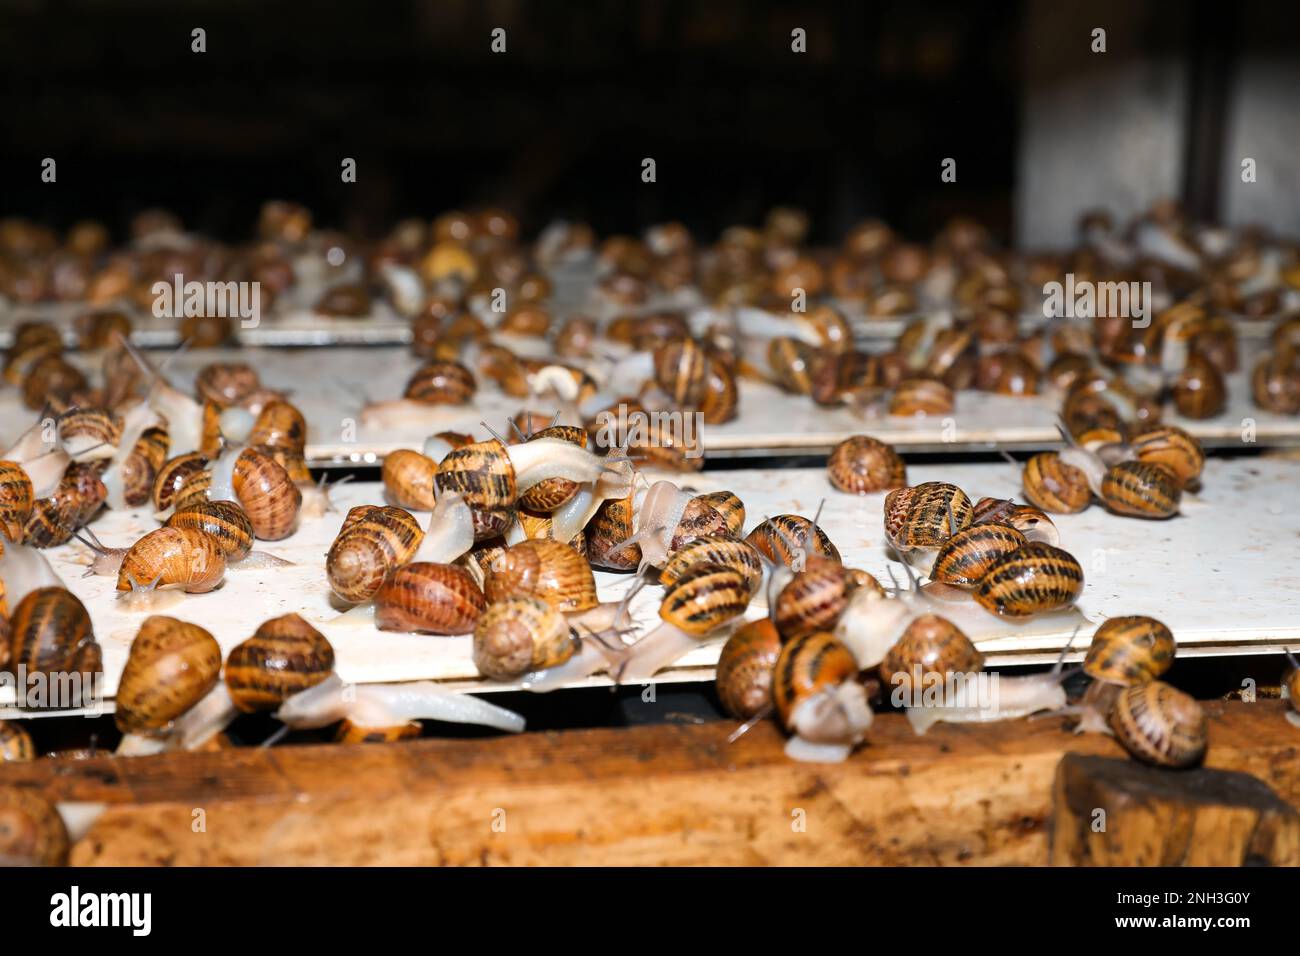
[1222, 576]
[974, 795]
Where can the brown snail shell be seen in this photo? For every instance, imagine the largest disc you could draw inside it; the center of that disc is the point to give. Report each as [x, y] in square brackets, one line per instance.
[964, 559]
[704, 598]
[268, 495]
[279, 425]
[1141, 489]
[807, 665]
[1275, 382]
[792, 363]
[371, 544]
[724, 552]
[1199, 391]
[93, 425]
[721, 401]
[1034, 579]
[171, 667]
[925, 515]
[1173, 448]
[225, 521]
[1160, 725]
[16, 499]
[545, 569]
[1130, 650]
[285, 656]
[172, 477]
[15, 743]
[861, 465]
[920, 397]
[441, 383]
[931, 645]
[745, 669]
[1054, 486]
[429, 598]
[141, 467]
[53, 520]
[226, 383]
[481, 472]
[681, 370]
[54, 381]
[31, 831]
[50, 632]
[519, 635]
[174, 557]
[609, 527]
[728, 505]
[551, 493]
[813, 600]
[779, 537]
[409, 480]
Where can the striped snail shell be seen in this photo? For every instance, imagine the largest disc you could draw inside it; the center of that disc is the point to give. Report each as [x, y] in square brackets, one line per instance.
[1141, 489]
[285, 656]
[268, 495]
[792, 362]
[721, 400]
[53, 520]
[441, 383]
[698, 520]
[1035, 579]
[1170, 446]
[171, 667]
[172, 477]
[280, 425]
[81, 429]
[725, 552]
[293, 463]
[16, 499]
[728, 505]
[31, 831]
[1275, 382]
[538, 526]
[1160, 725]
[211, 437]
[429, 598]
[745, 669]
[780, 538]
[350, 733]
[609, 527]
[173, 557]
[519, 635]
[931, 645]
[551, 493]
[813, 600]
[225, 521]
[1055, 486]
[806, 666]
[483, 475]
[372, 543]
[409, 479]
[194, 487]
[861, 465]
[681, 370]
[141, 467]
[1130, 650]
[925, 515]
[15, 743]
[53, 381]
[704, 598]
[920, 397]
[226, 383]
[50, 632]
[1199, 392]
[966, 557]
[545, 569]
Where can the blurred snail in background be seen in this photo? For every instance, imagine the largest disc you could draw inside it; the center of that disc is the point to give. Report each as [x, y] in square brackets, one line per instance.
[861, 465]
[32, 833]
[15, 742]
[819, 699]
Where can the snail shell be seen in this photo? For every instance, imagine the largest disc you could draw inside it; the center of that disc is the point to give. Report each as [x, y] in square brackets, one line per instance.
[745, 669]
[15, 743]
[280, 425]
[16, 499]
[140, 470]
[224, 521]
[813, 600]
[1199, 391]
[174, 557]
[1141, 489]
[792, 363]
[1054, 486]
[861, 465]
[53, 520]
[545, 569]
[780, 537]
[350, 733]
[1160, 725]
[268, 495]
[226, 383]
[609, 527]
[724, 552]
[441, 383]
[409, 480]
[807, 665]
[372, 543]
[1173, 448]
[172, 477]
[53, 381]
[921, 396]
[731, 508]
[171, 667]
[294, 465]
[50, 632]
[519, 635]
[931, 645]
[721, 399]
[285, 656]
[681, 369]
[923, 516]
[31, 831]
[430, 598]
[704, 598]
[1130, 650]
[967, 556]
[482, 474]
[551, 493]
[1275, 382]
[1034, 579]
[80, 428]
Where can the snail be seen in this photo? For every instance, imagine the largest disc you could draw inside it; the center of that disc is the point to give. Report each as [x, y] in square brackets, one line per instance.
[224, 521]
[1054, 485]
[925, 516]
[285, 656]
[408, 478]
[964, 559]
[545, 569]
[745, 669]
[1160, 725]
[1199, 391]
[812, 600]
[521, 634]
[919, 397]
[1141, 489]
[699, 605]
[433, 384]
[429, 598]
[55, 519]
[728, 505]
[88, 433]
[1124, 651]
[927, 655]
[667, 518]
[171, 478]
[32, 833]
[16, 498]
[372, 543]
[50, 632]
[713, 549]
[1034, 579]
[15, 742]
[261, 486]
[1172, 448]
[171, 667]
[789, 539]
[1030, 521]
[819, 699]
[141, 467]
[861, 465]
[181, 559]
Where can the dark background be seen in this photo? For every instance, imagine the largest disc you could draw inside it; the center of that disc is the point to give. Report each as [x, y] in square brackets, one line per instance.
[556, 126]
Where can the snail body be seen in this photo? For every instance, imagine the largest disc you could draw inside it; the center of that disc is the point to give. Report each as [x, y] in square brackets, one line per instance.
[819, 699]
[390, 705]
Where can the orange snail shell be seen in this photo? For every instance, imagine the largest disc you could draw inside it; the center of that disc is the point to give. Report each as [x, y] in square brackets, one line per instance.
[745, 669]
[545, 569]
[409, 480]
[182, 557]
[1130, 650]
[1141, 489]
[268, 495]
[518, 635]
[806, 665]
[776, 538]
[931, 645]
[430, 598]
[171, 666]
[1054, 486]
[1160, 725]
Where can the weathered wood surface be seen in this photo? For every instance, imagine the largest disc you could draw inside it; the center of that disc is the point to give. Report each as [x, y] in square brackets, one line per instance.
[653, 795]
[1119, 813]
